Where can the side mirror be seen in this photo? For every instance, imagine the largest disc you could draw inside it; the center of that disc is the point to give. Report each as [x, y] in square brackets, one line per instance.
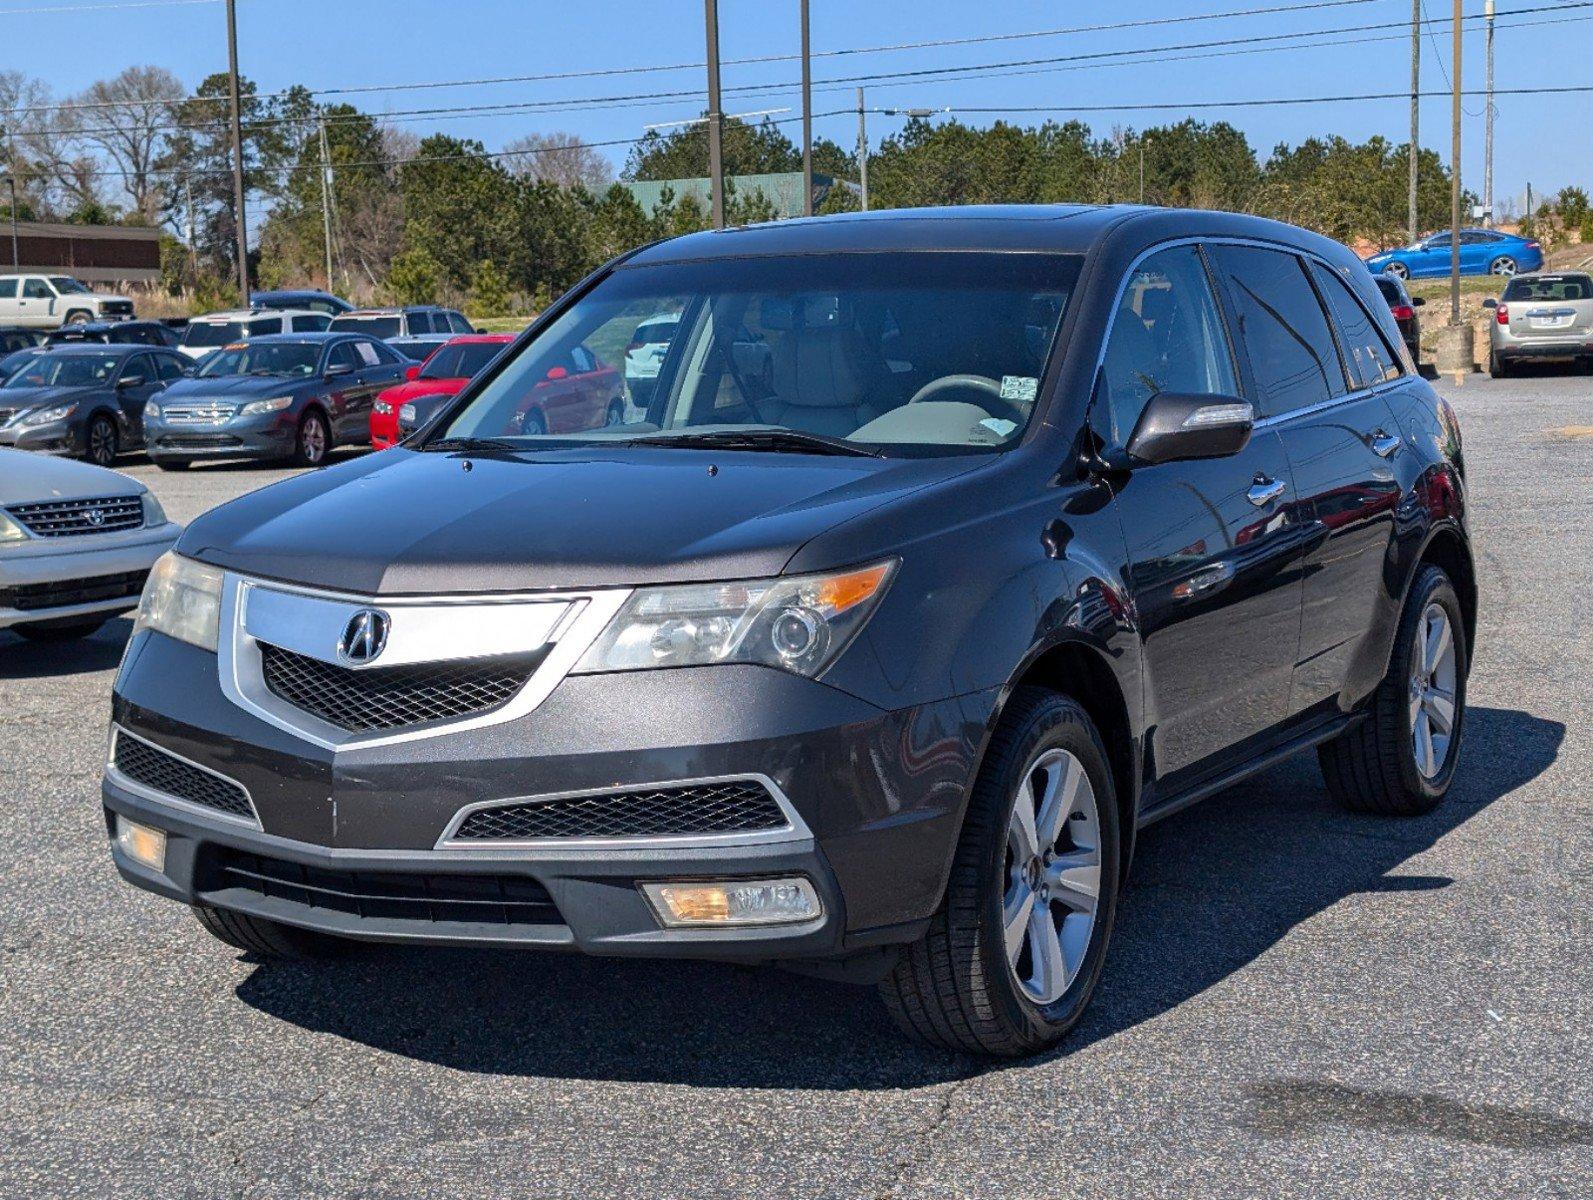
[557, 373]
[412, 373]
[333, 369]
[1488, 302]
[128, 381]
[1418, 301]
[1178, 425]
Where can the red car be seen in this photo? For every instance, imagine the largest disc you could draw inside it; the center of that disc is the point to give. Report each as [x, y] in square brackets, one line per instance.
[445, 372]
[583, 392]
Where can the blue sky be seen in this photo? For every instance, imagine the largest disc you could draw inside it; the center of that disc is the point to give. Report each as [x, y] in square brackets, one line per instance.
[352, 43]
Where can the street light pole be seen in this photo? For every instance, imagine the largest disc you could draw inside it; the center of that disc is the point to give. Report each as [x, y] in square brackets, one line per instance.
[237, 153]
[1415, 108]
[807, 117]
[1454, 175]
[1487, 127]
[326, 203]
[716, 162]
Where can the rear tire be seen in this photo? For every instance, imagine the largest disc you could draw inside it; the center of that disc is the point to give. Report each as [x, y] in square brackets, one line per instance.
[266, 938]
[64, 632]
[1497, 367]
[959, 987]
[1377, 766]
[78, 317]
[312, 441]
[1503, 265]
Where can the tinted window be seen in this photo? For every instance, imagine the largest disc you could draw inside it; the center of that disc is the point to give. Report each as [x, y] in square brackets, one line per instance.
[342, 355]
[36, 289]
[168, 367]
[309, 324]
[212, 333]
[1438, 240]
[459, 324]
[1367, 355]
[1550, 287]
[140, 367]
[474, 357]
[1390, 289]
[1283, 329]
[420, 322]
[442, 365]
[8, 289]
[382, 326]
[1167, 336]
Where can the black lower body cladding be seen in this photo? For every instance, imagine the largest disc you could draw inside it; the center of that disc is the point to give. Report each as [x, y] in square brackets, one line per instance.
[875, 799]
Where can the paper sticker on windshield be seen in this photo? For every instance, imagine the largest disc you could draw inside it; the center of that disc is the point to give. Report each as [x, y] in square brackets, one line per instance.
[236, 346]
[1001, 428]
[1019, 387]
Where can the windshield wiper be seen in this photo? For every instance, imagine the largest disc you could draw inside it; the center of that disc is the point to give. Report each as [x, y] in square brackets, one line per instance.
[471, 443]
[777, 441]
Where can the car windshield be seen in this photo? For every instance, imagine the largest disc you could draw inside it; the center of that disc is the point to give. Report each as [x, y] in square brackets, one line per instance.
[65, 284]
[901, 353]
[65, 370]
[214, 333]
[1551, 287]
[375, 325]
[293, 359]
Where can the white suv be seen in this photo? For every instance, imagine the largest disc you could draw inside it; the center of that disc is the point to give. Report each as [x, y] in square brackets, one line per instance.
[48, 301]
[204, 334]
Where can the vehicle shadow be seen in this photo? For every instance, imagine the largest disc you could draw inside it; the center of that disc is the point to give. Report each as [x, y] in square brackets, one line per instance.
[1213, 889]
[23, 659]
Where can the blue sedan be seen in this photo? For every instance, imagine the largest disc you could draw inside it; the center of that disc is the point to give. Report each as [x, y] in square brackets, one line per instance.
[1482, 252]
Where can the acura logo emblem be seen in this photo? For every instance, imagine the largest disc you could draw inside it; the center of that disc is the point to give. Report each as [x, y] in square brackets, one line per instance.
[95, 517]
[364, 637]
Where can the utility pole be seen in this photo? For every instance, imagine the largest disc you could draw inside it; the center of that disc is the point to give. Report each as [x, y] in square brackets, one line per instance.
[1415, 109]
[1454, 176]
[326, 203]
[1487, 127]
[862, 149]
[807, 117]
[716, 159]
[11, 178]
[193, 248]
[237, 153]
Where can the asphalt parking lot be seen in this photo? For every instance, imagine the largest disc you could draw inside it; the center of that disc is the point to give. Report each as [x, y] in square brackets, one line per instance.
[1299, 1001]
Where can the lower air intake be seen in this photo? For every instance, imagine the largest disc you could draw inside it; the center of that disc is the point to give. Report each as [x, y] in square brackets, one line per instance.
[734, 806]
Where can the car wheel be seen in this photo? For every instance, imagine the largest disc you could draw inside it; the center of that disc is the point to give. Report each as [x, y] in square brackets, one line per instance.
[100, 441]
[69, 631]
[1398, 270]
[311, 442]
[533, 424]
[1014, 952]
[78, 317]
[1503, 265]
[266, 938]
[1401, 758]
[1497, 367]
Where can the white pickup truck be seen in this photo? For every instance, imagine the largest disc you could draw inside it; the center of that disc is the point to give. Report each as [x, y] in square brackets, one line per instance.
[48, 301]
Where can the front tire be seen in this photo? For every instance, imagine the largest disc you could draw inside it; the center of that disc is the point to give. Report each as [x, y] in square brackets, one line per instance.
[100, 441]
[78, 317]
[1401, 759]
[265, 938]
[69, 631]
[1398, 270]
[1012, 956]
[311, 442]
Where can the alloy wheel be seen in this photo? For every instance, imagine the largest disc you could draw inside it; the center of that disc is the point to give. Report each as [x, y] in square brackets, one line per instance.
[312, 440]
[101, 442]
[1053, 876]
[1503, 266]
[1432, 691]
[1397, 270]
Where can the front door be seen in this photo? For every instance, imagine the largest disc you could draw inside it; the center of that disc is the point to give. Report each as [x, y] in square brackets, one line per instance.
[1212, 546]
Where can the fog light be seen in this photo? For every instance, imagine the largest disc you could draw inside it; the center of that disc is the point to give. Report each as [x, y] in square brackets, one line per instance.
[141, 843]
[734, 902]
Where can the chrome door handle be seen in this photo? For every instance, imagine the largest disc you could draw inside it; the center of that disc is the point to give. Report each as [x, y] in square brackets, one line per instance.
[1383, 444]
[1264, 491]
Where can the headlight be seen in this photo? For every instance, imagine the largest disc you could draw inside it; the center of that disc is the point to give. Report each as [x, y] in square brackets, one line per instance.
[382, 408]
[44, 416]
[182, 599]
[255, 407]
[800, 623]
[151, 411]
[10, 531]
[154, 514]
[407, 413]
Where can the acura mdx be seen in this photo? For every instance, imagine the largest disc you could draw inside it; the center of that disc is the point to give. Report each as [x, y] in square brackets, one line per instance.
[952, 548]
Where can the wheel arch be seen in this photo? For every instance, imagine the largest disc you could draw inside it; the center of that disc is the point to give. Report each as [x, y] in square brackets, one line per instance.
[1447, 549]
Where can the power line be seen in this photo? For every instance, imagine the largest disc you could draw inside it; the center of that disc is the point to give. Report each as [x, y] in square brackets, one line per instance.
[71, 8]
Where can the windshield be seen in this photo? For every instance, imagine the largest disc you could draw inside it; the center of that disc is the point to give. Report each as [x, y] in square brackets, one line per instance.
[65, 284]
[263, 358]
[376, 326]
[65, 370]
[219, 333]
[1550, 287]
[912, 351]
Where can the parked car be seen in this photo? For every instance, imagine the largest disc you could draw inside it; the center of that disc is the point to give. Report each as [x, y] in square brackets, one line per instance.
[206, 333]
[315, 301]
[444, 373]
[76, 544]
[419, 349]
[14, 338]
[1403, 306]
[862, 664]
[419, 320]
[1482, 252]
[1541, 317]
[577, 392]
[47, 301]
[644, 355]
[293, 396]
[130, 333]
[87, 401]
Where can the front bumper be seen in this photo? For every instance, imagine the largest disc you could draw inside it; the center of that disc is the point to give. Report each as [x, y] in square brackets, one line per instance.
[57, 437]
[879, 797]
[39, 568]
[268, 436]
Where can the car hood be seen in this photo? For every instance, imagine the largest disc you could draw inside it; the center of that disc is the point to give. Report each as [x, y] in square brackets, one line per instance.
[24, 398]
[245, 387]
[405, 522]
[416, 388]
[26, 478]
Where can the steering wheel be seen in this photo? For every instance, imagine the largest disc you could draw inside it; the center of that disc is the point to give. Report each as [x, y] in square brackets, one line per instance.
[981, 389]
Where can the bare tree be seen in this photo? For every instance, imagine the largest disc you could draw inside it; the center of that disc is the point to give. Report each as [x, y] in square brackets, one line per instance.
[125, 118]
[20, 99]
[560, 158]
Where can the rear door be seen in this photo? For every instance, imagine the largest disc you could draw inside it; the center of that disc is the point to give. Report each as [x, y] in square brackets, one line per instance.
[132, 397]
[1211, 545]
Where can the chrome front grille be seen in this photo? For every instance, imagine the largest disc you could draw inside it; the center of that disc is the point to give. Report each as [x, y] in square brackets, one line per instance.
[160, 771]
[74, 518]
[381, 698]
[213, 413]
[711, 807]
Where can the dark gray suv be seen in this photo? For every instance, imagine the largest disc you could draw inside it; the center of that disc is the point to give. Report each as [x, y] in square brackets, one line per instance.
[952, 548]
